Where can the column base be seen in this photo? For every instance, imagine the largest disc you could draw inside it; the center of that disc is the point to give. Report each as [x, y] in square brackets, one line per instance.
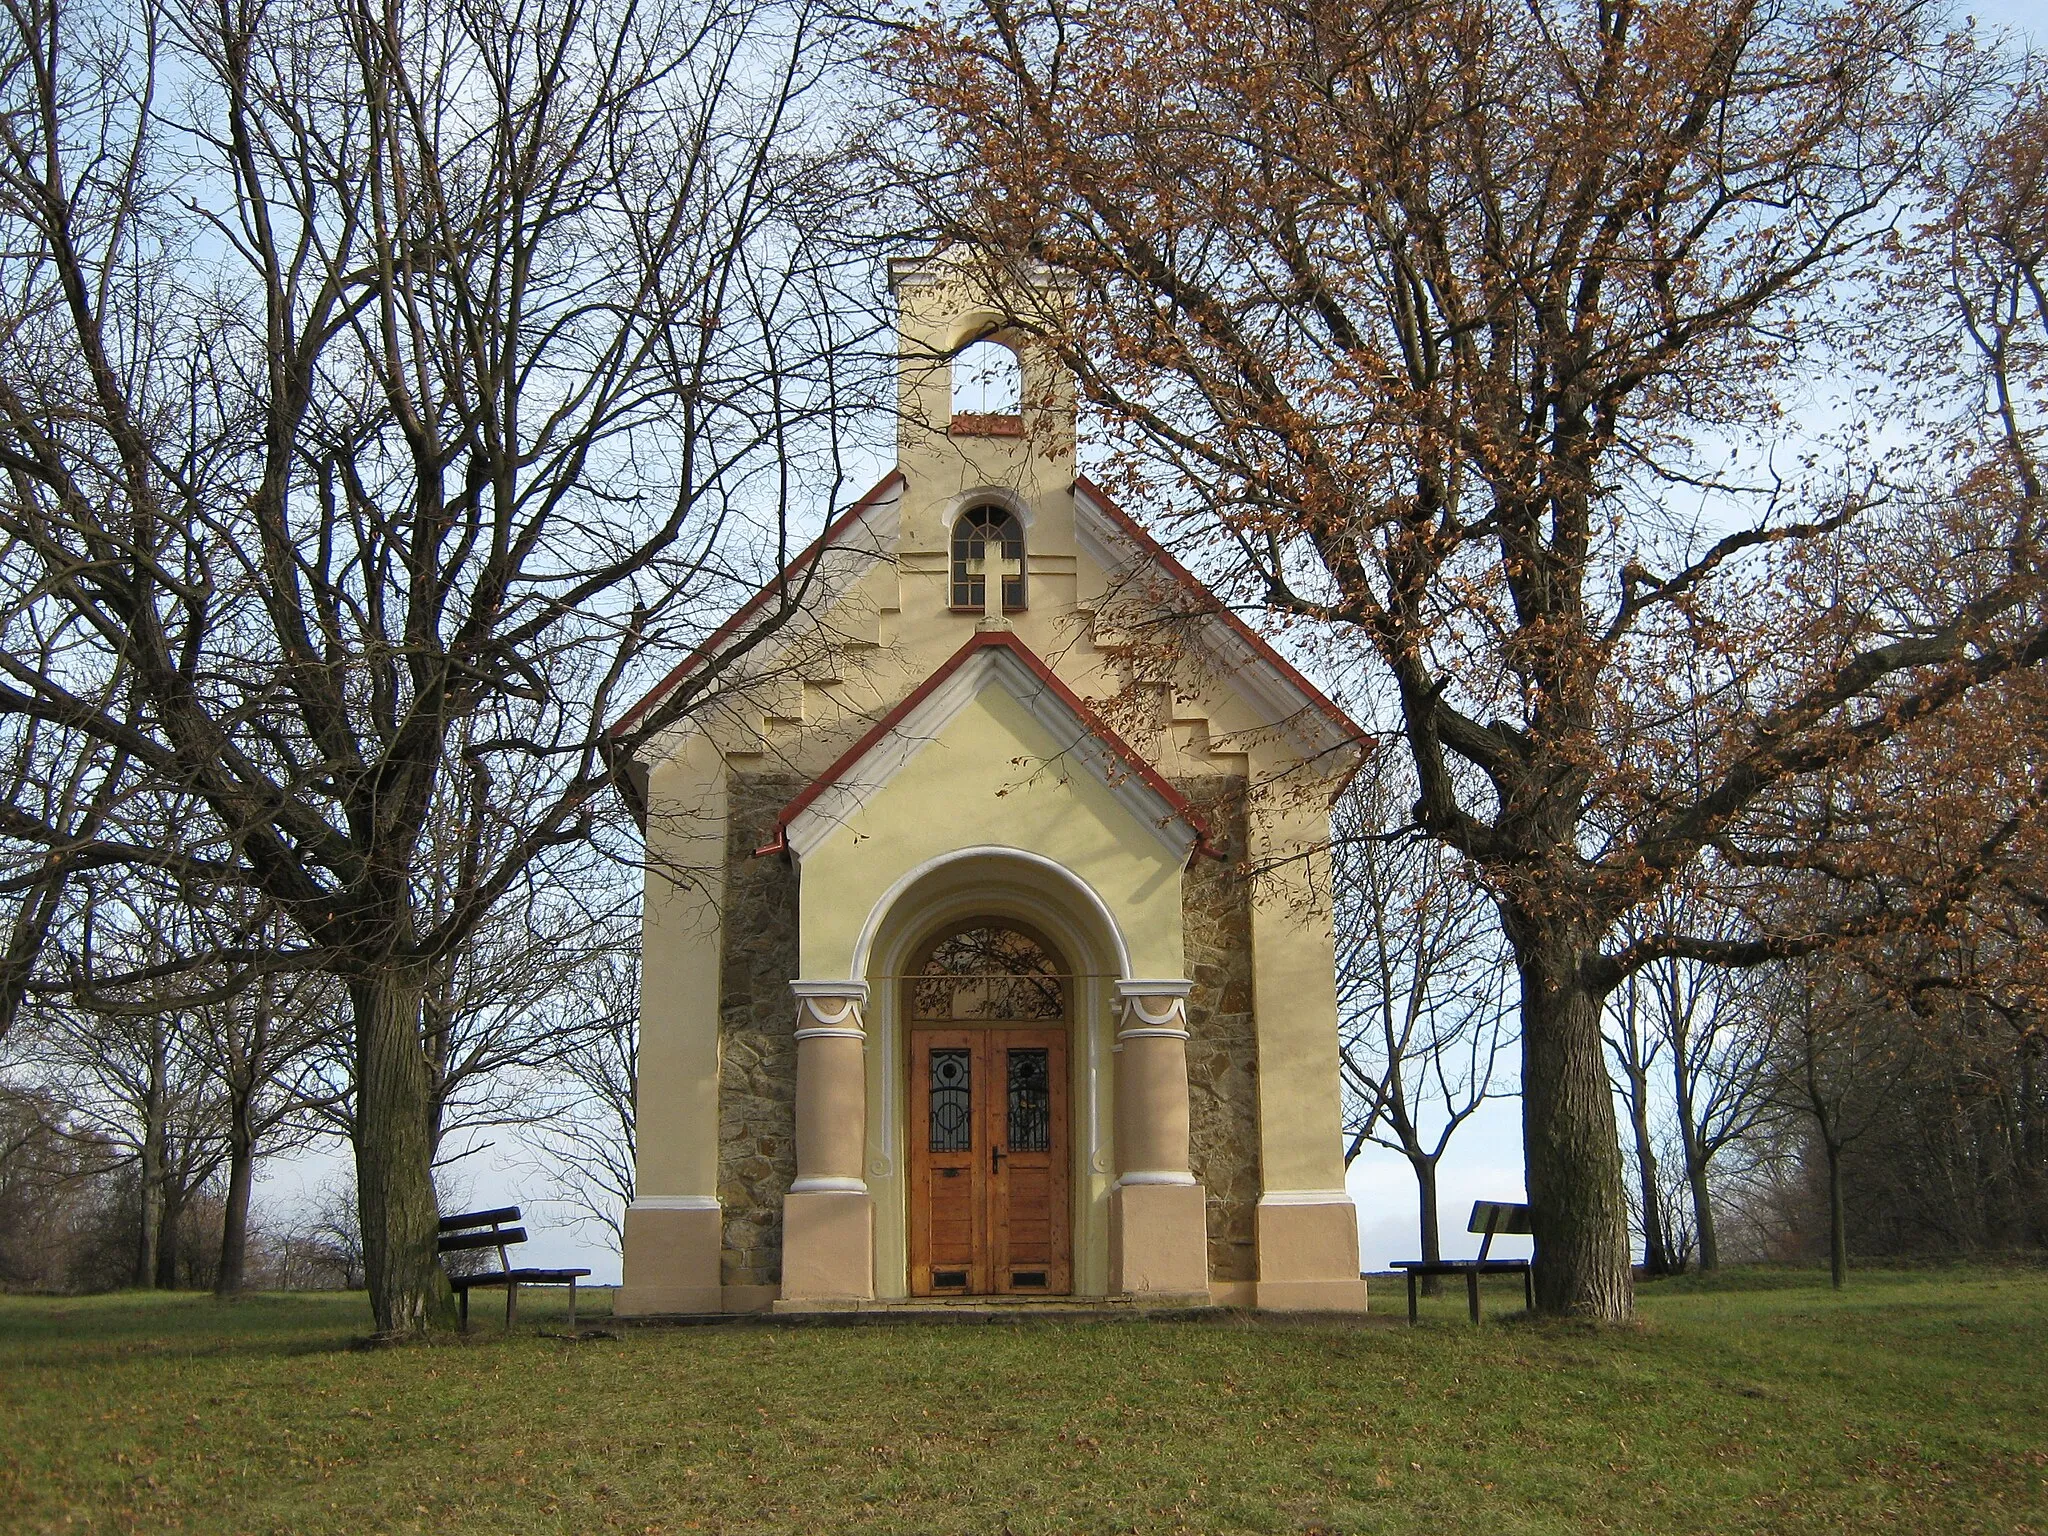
[671, 1260]
[1158, 1240]
[1308, 1252]
[1311, 1295]
[828, 1245]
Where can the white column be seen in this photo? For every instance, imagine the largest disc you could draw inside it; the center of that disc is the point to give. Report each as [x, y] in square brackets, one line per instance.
[1158, 1219]
[674, 1229]
[828, 1216]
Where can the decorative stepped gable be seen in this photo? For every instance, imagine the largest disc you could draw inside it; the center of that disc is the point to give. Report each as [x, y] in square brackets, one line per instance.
[852, 563]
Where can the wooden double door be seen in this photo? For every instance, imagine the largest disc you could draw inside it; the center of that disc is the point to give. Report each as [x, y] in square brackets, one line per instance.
[988, 1162]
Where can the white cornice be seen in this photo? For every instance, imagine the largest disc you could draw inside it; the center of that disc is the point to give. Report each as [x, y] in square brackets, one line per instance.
[1306, 1197]
[1155, 986]
[814, 987]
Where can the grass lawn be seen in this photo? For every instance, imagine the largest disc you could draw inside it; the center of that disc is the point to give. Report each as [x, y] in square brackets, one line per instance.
[1914, 1402]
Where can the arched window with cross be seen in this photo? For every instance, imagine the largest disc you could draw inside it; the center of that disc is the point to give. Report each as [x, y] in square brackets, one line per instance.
[988, 540]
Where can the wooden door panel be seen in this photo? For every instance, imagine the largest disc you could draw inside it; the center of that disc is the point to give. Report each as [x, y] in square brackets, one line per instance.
[1028, 1223]
[948, 1172]
[1030, 1228]
[952, 1217]
[988, 1162]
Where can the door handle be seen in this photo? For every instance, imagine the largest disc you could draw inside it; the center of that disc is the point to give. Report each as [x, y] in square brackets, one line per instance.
[995, 1157]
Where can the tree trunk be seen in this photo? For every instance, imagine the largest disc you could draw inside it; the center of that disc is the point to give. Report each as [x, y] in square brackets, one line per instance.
[1695, 1160]
[2034, 1166]
[394, 1161]
[1656, 1261]
[1838, 1231]
[234, 1226]
[148, 1232]
[167, 1241]
[1578, 1209]
[150, 1175]
[1431, 1220]
[1703, 1213]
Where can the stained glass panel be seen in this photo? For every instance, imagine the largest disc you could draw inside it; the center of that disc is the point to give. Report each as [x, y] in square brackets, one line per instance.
[952, 1127]
[1030, 1102]
[989, 972]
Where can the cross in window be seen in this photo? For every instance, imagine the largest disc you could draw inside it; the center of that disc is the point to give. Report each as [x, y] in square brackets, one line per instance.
[994, 568]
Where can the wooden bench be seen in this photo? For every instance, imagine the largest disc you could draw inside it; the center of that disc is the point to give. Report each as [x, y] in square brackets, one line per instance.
[490, 1229]
[1494, 1218]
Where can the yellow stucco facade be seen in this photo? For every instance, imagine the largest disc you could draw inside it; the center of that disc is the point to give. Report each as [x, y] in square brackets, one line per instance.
[896, 765]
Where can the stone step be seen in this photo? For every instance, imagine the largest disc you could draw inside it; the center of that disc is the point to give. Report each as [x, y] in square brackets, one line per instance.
[1009, 1309]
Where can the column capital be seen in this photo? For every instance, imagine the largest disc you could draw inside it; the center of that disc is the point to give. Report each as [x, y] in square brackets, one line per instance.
[828, 1008]
[1153, 1008]
[1158, 986]
[804, 987]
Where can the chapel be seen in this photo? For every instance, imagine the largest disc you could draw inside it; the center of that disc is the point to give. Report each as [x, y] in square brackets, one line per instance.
[987, 941]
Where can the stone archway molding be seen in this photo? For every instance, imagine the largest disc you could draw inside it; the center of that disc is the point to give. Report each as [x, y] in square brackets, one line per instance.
[1038, 862]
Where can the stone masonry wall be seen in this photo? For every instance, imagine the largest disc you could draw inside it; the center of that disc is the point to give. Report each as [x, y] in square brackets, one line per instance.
[757, 1033]
[1223, 1052]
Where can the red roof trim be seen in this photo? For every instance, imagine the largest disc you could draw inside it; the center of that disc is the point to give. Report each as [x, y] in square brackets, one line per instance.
[892, 481]
[1250, 636]
[976, 644]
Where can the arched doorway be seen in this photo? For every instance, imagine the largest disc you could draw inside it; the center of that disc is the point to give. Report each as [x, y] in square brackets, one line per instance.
[987, 1004]
[1022, 890]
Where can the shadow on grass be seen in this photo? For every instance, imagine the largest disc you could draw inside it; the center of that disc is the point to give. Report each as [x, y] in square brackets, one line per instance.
[68, 1331]
[49, 1331]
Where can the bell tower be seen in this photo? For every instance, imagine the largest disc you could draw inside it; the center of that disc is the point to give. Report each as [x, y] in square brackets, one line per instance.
[985, 426]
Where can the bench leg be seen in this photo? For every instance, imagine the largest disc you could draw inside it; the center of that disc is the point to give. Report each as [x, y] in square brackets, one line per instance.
[572, 1307]
[1411, 1298]
[1529, 1290]
[511, 1303]
[1472, 1292]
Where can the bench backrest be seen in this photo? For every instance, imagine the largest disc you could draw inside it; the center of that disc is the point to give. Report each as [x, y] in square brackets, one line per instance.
[1497, 1217]
[481, 1229]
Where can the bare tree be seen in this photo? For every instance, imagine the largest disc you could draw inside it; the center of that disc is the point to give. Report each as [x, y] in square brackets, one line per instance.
[1422, 987]
[378, 384]
[58, 1183]
[1836, 1057]
[1722, 1035]
[586, 1142]
[261, 1041]
[133, 1073]
[1635, 1044]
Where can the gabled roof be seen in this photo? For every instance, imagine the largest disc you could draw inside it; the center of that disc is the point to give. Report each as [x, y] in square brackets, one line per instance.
[988, 658]
[887, 487]
[1285, 688]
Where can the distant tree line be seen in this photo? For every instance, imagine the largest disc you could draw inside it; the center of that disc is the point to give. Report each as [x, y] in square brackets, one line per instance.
[136, 1124]
[1882, 1098]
